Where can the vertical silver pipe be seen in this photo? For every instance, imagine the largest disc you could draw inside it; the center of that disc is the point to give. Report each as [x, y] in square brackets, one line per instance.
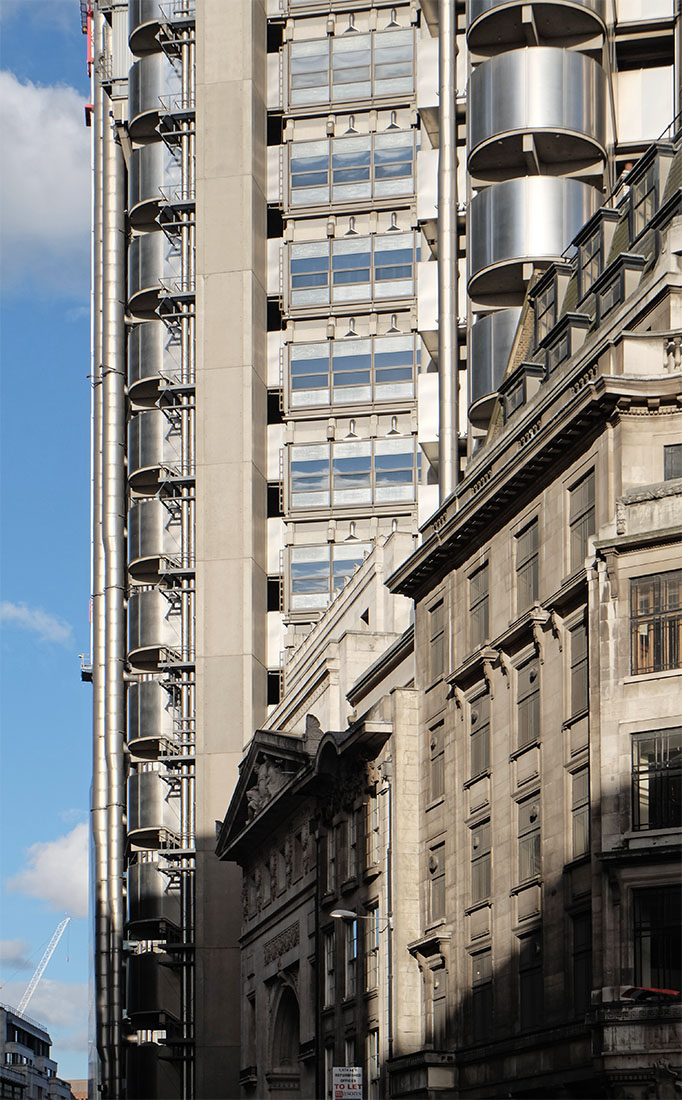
[113, 529]
[448, 354]
[99, 767]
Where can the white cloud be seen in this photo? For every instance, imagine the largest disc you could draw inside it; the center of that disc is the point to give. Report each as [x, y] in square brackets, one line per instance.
[61, 1007]
[45, 212]
[49, 628]
[14, 955]
[57, 873]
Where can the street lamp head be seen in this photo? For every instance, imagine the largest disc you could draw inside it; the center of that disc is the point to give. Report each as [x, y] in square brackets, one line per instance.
[349, 914]
[343, 914]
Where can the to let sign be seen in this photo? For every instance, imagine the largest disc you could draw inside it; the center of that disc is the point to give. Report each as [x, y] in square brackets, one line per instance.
[347, 1082]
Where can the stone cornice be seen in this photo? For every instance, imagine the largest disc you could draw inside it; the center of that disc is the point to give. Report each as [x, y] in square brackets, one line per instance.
[548, 437]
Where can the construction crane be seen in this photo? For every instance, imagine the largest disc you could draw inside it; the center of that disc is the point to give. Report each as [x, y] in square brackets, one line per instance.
[49, 950]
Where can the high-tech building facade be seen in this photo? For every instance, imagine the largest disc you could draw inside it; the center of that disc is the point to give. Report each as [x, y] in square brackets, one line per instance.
[314, 224]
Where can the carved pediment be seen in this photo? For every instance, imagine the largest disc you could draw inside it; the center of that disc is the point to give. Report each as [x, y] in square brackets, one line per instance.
[272, 764]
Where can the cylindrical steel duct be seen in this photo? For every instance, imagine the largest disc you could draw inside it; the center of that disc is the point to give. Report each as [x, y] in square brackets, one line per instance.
[538, 109]
[490, 344]
[448, 354]
[99, 877]
[497, 25]
[522, 222]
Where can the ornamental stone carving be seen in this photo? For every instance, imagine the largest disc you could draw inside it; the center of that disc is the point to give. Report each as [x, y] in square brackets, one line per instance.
[280, 944]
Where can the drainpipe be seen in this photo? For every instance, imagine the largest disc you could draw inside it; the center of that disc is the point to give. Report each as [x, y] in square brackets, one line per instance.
[99, 771]
[448, 353]
[113, 533]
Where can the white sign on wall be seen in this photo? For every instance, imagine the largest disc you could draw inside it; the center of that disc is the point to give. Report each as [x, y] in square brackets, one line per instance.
[347, 1082]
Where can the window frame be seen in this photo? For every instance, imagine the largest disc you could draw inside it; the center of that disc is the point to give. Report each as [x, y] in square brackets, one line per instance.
[479, 606]
[481, 862]
[374, 178]
[529, 855]
[436, 651]
[527, 561]
[327, 368]
[580, 811]
[345, 91]
[321, 272]
[528, 703]
[663, 776]
[530, 977]
[481, 995]
[436, 883]
[384, 474]
[659, 640]
[480, 734]
[329, 956]
[581, 518]
[668, 931]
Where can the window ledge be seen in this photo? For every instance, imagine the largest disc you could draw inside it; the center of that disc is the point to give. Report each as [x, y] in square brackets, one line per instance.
[486, 903]
[535, 881]
[534, 744]
[436, 802]
[575, 718]
[485, 774]
[642, 677]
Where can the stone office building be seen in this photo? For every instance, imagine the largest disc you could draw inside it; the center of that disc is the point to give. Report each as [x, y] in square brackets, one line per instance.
[504, 795]
[548, 636]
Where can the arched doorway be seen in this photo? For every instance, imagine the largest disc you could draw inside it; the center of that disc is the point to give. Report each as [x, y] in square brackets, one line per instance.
[284, 1077]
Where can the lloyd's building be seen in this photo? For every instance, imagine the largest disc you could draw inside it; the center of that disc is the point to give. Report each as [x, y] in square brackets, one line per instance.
[314, 225]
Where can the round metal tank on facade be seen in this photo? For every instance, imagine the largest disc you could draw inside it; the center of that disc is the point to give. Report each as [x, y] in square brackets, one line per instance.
[153, 263]
[153, 356]
[491, 340]
[150, 717]
[149, 898]
[150, 1072]
[154, 90]
[144, 20]
[497, 25]
[520, 221]
[151, 809]
[153, 533]
[153, 444]
[153, 624]
[556, 97]
[153, 987]
[154, 175]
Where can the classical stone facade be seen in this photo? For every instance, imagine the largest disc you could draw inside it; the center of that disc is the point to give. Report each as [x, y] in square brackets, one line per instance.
[548, 595]
[324, 821]
[461, 864]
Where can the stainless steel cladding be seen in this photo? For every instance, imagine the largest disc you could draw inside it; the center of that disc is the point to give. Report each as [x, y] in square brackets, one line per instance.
[491, 340]
[153, 625]
[153, 987]
[154, 445]
[496, 25]
[154, 89]
[151, 898]
[153, 534]
[144, 19]
[154, 176]
[153, 264]
[153, 357]
[150, 715]
[151, 808]
[521, 221]
[555, 98]
[149, 1072]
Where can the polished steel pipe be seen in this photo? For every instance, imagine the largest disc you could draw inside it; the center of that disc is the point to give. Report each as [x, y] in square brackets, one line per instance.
[113, 536]
[99, 876]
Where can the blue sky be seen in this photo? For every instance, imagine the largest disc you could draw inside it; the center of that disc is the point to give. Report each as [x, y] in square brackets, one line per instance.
[45, 558]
